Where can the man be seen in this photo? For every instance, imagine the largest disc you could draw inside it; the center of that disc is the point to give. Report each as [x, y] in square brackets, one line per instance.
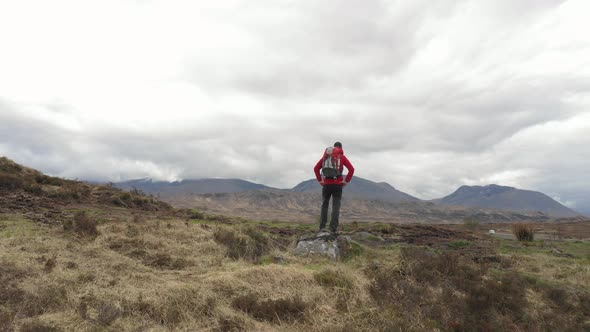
[332, 183]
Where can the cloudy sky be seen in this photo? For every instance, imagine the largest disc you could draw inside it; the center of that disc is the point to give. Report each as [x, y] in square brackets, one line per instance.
[425, 95]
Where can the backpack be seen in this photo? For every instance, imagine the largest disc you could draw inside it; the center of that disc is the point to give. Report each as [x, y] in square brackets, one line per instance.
[332, 163]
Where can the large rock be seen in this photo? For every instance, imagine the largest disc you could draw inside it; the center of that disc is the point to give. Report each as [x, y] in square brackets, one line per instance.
[324, 244]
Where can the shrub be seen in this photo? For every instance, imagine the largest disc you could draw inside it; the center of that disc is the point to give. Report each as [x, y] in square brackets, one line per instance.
[334, 279]
[249, 244]
[459, 244]
[523, 232]
[71, 190]
[137, 192]
[50, 264]
[349, 249]
[50, 180]
[466, 302]
[68, 225]
[138, 219]
[287, 309]
[107, 314]
[196, 215]
[227, 323]
[46, 297]
[125, 197]
[9, 166]
[559, 296]
[171, 307]
[34, 189]
[10, 294]
[383, 228]
[9, 181]
[86, 277]
[165, 261]
[84, 224]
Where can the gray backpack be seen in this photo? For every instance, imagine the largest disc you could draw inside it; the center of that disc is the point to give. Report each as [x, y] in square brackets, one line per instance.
[332, 163]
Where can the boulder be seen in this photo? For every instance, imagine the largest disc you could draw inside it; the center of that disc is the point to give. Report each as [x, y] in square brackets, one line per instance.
[324, 244]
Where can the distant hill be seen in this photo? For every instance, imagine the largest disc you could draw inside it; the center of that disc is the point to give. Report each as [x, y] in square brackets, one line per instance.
[42, 196]
[365, 189]
[235, 196]
[506, 198]
[201, 186]
[275, 204]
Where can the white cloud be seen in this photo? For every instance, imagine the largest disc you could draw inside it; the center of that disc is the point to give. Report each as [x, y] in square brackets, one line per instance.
[427, 96]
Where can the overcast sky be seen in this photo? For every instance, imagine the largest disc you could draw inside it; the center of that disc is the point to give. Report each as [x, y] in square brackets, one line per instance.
[425, 95]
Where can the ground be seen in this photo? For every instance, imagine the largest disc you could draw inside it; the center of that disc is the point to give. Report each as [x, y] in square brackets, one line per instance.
[186, 271]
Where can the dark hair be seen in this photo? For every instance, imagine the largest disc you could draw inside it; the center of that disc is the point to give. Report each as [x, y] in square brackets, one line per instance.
[338, 145]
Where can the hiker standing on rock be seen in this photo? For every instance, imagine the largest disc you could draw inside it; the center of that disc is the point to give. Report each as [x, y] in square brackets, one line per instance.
[331, 166]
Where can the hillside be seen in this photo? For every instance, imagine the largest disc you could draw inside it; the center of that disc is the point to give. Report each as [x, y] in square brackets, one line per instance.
[81, 257]
[506, 198]
[364, 189]
[25, 188]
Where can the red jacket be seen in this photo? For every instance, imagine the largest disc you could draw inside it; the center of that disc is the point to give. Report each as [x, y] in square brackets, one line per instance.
[345, 163]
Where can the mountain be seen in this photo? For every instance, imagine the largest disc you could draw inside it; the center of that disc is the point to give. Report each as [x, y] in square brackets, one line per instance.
[201, 186]
[362, 188]
[506, 198]
[285, 205]
[363, 200]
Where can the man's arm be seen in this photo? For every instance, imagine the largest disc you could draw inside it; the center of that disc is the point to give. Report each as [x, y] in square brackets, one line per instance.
[316, 170]
[349, 167]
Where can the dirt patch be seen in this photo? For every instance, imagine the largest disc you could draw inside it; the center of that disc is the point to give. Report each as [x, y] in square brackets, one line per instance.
[12, 201]
[431, 235]
[424, 235]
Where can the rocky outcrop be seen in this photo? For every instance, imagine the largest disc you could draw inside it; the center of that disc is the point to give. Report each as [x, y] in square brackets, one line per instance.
[323, 244]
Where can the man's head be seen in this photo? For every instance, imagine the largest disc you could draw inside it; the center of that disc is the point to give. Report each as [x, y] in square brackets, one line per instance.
[338, 145]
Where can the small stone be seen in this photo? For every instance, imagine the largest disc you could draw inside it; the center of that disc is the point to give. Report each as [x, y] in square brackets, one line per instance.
[559, 253]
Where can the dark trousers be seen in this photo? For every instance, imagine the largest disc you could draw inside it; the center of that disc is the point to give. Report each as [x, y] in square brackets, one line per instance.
[334, 191]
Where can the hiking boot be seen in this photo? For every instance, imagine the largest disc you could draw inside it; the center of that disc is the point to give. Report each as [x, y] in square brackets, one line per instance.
[323, 230]
[334, 231]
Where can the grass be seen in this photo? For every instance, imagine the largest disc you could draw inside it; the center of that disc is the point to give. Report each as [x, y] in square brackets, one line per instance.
[17, 227]
[124, 261]
[537, 260]
[150, 272]
[458, 244]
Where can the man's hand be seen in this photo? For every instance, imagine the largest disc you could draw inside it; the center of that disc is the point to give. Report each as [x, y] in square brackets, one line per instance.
[322, 183]
[344, 183]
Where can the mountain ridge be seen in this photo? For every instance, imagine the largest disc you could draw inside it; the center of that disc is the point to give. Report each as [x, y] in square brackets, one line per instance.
[365, 189]
[490, 196]
[505, 197]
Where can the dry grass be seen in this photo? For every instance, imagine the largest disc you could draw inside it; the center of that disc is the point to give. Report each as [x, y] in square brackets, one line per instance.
[247, 243]
[160, 274]
[279, 310]
[11, 182]
[36, 325]
[83, 225]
